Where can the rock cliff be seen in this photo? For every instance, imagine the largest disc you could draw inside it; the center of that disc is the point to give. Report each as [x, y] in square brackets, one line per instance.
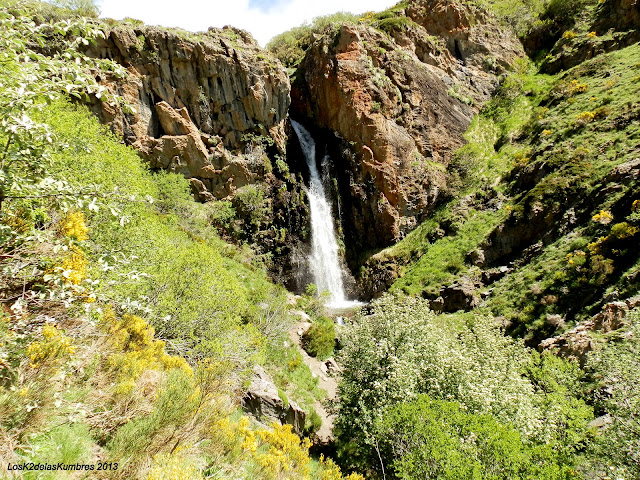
[213, 107]
[400, 100]
[196, 98]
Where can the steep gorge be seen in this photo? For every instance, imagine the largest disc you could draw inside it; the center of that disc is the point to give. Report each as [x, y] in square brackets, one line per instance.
[399, 101]
[390, 105]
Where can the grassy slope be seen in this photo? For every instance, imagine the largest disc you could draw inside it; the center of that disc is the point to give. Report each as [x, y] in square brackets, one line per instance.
[536, 120]
[167, 265]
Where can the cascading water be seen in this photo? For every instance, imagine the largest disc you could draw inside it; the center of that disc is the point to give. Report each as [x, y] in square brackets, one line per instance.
[324, 260]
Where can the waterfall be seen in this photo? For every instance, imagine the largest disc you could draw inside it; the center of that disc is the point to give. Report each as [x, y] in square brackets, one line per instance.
[324, 260]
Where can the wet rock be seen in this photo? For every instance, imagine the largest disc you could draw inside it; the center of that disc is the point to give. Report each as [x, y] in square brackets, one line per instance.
[263, 402]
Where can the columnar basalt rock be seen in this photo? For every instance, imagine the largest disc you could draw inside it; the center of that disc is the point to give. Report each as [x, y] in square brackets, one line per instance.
[196, 98]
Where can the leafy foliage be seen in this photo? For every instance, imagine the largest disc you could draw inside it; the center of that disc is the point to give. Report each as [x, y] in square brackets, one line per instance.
[402, 350]
[426, 438]
[290, 46]
[616, 368]
[319, 340]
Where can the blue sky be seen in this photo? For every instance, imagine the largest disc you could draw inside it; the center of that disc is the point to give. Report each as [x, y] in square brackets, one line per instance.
[267, 5]
[263, 18]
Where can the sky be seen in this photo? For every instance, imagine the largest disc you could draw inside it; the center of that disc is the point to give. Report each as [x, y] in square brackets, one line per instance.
[263, 18]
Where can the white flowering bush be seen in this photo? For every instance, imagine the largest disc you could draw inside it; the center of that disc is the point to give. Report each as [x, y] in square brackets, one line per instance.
[615, 366]
[402, 349]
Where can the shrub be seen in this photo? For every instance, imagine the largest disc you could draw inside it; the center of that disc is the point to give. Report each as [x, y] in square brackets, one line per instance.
[615, 366]
[436, 439]
[55, 347]
[319, 340]
[291, 46]
[282, 451]
[585, 117]
[394, 24]
[136, 350]
[313, 423]
[249, 203]
[402, 349]
[604, 217]
[86, 8]
[166, 427]
[174, 466]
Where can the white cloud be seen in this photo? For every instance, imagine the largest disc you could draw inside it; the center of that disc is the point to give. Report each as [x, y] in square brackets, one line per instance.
[198, 15]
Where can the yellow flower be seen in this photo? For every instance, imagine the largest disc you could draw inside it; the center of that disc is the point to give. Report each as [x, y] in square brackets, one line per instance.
[603, 218]
[54, 347]
[74, 226]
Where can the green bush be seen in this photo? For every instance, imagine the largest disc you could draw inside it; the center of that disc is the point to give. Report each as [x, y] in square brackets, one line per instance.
[313, 423]
[319, 340]
[250, 205]
[86, 8]
[436, 439]
[291, 45]
[394, 24]
[615, 367]
[401, 349]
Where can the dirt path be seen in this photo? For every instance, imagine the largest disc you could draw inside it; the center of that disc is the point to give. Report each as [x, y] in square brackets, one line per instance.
[325, 381]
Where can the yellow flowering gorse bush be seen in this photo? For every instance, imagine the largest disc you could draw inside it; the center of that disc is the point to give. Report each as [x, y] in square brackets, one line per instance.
[585, 117]
[74, 265]
[54, 347]
[137, 350]
[604, 217]
[74, 226]
[287, 456]
[576, 87]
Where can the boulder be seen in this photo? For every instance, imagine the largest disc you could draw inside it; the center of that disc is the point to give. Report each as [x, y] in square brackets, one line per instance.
[262, 401]
[458, 296]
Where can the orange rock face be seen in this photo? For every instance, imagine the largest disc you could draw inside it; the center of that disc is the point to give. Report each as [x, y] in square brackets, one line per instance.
[400, 102]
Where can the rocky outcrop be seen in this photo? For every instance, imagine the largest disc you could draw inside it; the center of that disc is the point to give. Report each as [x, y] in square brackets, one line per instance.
[458, 296]
[197, 99]
[213, 107]
[400, 101]
[536, 221]
[579, 341]
[264, 403]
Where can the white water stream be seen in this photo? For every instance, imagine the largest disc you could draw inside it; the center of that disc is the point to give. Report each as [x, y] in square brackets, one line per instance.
[324, 260]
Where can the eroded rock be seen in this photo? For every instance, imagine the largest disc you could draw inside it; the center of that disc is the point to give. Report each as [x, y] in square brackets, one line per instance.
[578, 342]
[400, 103]
[458, 296]
[194, 98]
[263, 402]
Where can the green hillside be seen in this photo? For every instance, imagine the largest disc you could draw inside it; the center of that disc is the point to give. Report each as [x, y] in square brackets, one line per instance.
[504, 344]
